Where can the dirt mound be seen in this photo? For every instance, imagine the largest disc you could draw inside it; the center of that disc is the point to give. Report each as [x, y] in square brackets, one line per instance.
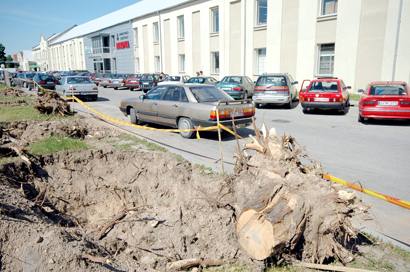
[145, 210]
[49, 102]
[12, 92]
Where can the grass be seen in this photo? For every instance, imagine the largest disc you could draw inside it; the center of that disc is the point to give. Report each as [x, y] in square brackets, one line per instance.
[25, 113]
[128, 142]
[7, 160]
[204, 170]
[55, 144]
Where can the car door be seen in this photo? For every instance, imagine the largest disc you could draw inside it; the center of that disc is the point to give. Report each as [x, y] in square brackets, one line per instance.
[148, 108]
[170, 105]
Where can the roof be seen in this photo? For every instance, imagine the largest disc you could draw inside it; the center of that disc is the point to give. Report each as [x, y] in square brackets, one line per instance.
[139, 9]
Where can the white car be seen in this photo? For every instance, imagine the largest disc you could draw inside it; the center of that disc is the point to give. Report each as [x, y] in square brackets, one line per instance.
[80, 86]
[174, 79]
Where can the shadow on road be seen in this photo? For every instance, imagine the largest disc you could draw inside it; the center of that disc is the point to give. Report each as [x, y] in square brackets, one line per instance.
[398, 123]
[295, 104]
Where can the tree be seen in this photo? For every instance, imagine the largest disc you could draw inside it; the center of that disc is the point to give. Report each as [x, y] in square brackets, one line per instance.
[2, 53]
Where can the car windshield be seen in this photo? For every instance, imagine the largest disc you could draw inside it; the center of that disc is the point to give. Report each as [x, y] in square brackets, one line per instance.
[209, 94]
[279, 81]
[388, 90]
[232, 80]
[324, 86]
[173, 78]
[78, 80]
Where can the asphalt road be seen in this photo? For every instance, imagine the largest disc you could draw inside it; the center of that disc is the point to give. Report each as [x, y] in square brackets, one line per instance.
[377, 154]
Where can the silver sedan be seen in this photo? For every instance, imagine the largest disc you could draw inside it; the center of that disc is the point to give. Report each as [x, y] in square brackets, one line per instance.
[80, 86]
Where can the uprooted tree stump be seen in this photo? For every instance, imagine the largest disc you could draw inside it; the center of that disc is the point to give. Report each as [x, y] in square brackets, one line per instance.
[49, 102]
[286, 209]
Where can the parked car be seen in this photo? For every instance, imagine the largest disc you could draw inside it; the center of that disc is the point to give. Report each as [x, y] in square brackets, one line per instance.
[325, 93]
[24, 79]
[44, 80]
[385, 100]
[148, 81]
[133, 82]
[97, 78]
[80, 86]
[202, 80]
[279, 89]
[187, 106]
[117, 81]
[105, 80]
[174, 79]
[239, 87]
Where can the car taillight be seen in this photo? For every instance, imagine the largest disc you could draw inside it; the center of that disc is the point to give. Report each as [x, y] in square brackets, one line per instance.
[405, 103]
[237, 89]
[223, 114]
[369, 102]
[249, 112]
[41, 82]
[259, 89]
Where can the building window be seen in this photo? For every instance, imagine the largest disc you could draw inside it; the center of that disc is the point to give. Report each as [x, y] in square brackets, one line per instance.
[260, 63]
[328, 7]
[326, 59]
[215, 20]
[136, 40]
[181, 27]
[261, 12]
[157, 64]
[181, 63]
[215, 62]
[155, 32]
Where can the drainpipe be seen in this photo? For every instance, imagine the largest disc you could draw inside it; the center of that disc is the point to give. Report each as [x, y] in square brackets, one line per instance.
[160, 42]
[244, 40]
[396, 48]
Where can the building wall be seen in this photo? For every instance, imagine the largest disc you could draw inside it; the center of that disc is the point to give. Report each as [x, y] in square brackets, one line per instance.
[122, 58]
[67, 56]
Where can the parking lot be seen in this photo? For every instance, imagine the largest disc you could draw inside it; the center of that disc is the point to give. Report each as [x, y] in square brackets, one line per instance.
[374, 154]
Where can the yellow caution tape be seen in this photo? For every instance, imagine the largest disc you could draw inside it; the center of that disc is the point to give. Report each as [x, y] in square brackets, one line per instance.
[358, 187]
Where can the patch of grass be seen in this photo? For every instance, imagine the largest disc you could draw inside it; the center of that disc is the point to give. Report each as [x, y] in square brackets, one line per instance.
[26, 113]
[55, 144]
[228, 268]
[204, 170]
[127, 142]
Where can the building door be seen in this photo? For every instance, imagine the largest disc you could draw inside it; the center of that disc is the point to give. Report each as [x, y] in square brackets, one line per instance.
[107, 65]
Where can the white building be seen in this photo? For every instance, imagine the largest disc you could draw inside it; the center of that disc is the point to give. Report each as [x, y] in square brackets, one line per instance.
[356, 40]
[26, 60]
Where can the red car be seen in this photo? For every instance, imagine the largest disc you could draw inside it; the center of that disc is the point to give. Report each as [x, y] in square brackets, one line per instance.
[385, 100]
[132, 82]
[325, 93]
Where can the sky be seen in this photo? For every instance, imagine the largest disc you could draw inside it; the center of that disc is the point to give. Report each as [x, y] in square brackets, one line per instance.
[22, 22]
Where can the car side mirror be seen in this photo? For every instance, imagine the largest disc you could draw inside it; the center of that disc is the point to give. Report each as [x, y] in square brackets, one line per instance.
[361, 91]
[295, 82]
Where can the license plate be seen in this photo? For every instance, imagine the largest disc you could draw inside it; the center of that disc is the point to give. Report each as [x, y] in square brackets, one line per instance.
[50, 82]
[321, 99]
[271, 92]
[388, 103]
[146, 83]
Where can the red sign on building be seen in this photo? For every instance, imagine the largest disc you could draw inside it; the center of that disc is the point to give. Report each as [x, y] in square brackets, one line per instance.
[123, 45]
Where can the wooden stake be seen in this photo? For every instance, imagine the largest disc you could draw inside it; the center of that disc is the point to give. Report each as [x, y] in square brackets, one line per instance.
[330, 267]
[220, 141]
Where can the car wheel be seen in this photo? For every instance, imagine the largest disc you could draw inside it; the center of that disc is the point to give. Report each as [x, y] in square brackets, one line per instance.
[133, 116]
[185, 123]
[305, 110]
[361, 119]
[258, 105]
[105, 86]
[131, 89]
[115, 88]
[94, 97]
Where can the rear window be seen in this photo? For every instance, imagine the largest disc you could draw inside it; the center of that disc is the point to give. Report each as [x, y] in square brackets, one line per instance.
[272, 81]
[46, 77]
[233, 80]
[324, 86]
[388, 90]
[30, 75]
[209, 94]
[78, 80]
[173, 78]
[147, 77]
[199, 80]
